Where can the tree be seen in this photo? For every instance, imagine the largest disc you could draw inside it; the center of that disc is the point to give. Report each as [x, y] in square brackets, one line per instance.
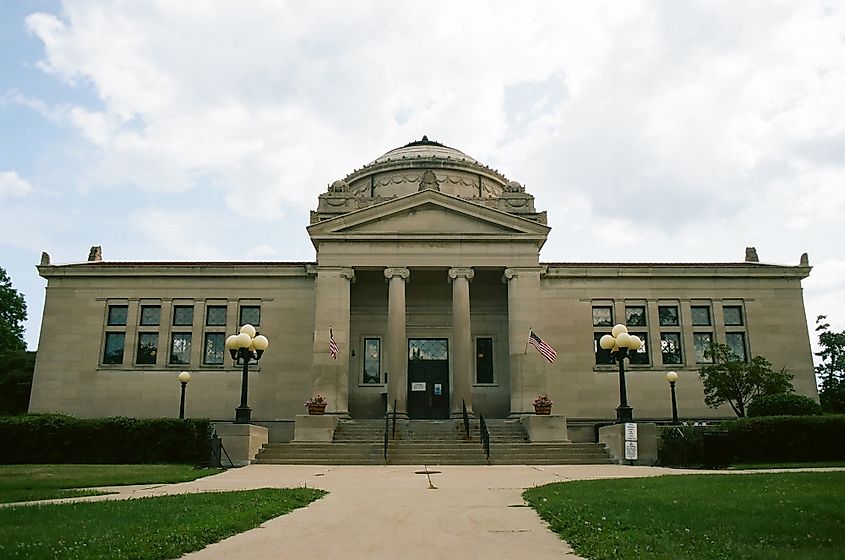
[12, 316]
[736, 382]
[831, 371]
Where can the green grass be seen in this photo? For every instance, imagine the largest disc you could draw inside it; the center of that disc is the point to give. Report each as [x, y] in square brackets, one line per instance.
[812, 465]
[140, 529]
[749, 516]
[20, 483]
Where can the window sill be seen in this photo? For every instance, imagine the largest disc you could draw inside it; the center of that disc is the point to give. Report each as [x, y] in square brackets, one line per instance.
[373, 385]
[485, 385]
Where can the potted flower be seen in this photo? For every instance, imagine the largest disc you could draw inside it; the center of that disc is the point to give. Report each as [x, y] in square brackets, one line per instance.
[316, 405]
[543, 405]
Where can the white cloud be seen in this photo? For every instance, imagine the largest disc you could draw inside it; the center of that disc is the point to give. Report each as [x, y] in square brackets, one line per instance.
[12, 185]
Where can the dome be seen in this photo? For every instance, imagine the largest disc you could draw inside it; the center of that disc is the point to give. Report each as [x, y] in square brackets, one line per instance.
[400, 172]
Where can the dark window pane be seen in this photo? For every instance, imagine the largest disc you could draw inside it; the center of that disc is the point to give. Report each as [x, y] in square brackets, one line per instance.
[702, 343]
[602, 316]
[251, 315]
[113, 351]
[428, 349]
[603, 357]
[117, 315]
[214, 347]
[635, 316]
[147, 348]
[668, 315]
[733, 315]
[183, 315]
[736, 342]
[180, 348]
[150, 315]
[640, 357]
[484, 360]
[372, 360]
[670, 347]
[700, 316]
[215, 316]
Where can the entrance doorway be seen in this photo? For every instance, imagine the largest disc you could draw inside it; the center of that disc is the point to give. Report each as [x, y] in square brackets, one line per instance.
[428, 378]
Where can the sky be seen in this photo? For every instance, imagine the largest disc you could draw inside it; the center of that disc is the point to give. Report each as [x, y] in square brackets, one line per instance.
[657, 131]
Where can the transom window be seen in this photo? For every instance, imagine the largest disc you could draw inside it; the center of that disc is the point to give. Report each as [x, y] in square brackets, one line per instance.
[117, 315]
[635, 316]
[733, 315]
[215, 316]
[372, 360]
[150, 315]
[701, 316]
[428, 349]
[183, 315]
[602, 316]
[668, 315]
[251, 315]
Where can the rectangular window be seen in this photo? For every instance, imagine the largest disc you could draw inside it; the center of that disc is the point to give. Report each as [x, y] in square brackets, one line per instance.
[147, 348]
[602, 316]
[117, 315]
[215, 316]
[183, 315]
[484, 360]
[372, 360]
[113, 351]
[668, 315]
[180, 348]
[736, 342]
[640, 357]
[150, 315]
[670, 347]
[733, 315]
[700, 316]
[214, 348]
[603, 357]
[702, 343]
[250, 315]
[635, 316]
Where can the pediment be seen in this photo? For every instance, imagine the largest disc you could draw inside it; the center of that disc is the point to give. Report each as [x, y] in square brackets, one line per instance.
[428, 214]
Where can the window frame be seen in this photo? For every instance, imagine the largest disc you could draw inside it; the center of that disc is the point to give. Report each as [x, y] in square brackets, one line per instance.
[106, 336]
[593, 316]
[176, 309]
[739, 310]
[171, 354]
[114, 307]
[679, 351]
[364, 356]
[146, 334]
[660, 321]
[241, 309]
[644, 315]
[206, 336]
[707, 308]
[704, 359]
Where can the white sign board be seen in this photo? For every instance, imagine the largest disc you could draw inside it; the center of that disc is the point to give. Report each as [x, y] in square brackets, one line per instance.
[631, 450]
[418, 386]
[630, 431]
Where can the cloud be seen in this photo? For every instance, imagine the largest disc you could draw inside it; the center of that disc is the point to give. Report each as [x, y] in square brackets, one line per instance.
[12, 185]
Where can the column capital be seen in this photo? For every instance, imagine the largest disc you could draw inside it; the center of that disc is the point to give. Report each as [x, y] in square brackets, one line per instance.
[516, 272]
[461, 272]
[402, 273]
[349, 274]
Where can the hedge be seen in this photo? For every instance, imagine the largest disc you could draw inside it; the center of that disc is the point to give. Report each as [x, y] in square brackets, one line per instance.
[53, 438]
[786, 404]
[769, 439]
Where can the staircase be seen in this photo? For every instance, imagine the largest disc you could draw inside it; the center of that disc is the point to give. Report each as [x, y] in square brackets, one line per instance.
[431, 442]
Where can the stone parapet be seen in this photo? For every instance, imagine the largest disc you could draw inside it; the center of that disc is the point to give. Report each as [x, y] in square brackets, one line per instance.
[242, 442]
[646, 443]
[541, 428]
[315, 428]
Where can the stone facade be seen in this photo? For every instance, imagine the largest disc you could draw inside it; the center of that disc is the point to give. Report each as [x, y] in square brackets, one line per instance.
[428, 278]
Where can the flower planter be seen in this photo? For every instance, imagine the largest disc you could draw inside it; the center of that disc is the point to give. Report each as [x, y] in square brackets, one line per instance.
[317, 409]
[543, 410]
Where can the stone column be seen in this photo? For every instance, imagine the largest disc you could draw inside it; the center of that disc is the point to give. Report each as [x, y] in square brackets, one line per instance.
[397, 341]
[329, 376]
[524, 313]
[461, 349]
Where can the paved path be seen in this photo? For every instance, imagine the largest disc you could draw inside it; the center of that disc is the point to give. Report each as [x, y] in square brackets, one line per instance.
[390, 512]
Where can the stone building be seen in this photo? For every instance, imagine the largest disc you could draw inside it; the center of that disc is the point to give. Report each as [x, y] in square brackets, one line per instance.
[428, 278]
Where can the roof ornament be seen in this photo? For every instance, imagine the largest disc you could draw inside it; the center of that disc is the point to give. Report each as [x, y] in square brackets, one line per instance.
[751, 254]
[428, 181]
[45, 258]
[514, 186]
[805, 259]
[339, 186]
[95, 254]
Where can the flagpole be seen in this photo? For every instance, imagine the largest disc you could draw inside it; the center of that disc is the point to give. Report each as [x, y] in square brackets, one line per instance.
[530, 329]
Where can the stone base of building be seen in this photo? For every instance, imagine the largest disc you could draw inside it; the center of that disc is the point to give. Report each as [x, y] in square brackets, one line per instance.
[315, 428]
[242, 442]
[547, 428]
[646, 443]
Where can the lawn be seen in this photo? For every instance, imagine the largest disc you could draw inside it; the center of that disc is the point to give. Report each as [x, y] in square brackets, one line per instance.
[141, 529]
[20, 483]
[749, 516]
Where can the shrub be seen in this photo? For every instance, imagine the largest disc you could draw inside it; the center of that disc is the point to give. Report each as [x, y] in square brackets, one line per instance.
[54, 438]
[788, 404]
[681, 446]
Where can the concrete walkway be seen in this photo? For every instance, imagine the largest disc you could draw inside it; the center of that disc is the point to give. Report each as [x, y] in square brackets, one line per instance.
[390, 512]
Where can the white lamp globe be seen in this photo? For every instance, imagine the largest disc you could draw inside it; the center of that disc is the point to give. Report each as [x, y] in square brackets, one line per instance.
[260, 342]
[671, 377]
[184, 377]
[623, 340]
[619, 329]
[248, 329]
[635, 343]
[243, 340]
[607, 342]
[232, 342]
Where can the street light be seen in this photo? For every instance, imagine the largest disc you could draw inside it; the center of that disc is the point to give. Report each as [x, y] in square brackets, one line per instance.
[183, 378]
[620, 343]
[245, 346]
[671, 377]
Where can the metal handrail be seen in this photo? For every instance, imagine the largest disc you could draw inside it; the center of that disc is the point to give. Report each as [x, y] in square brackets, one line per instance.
[386, 418]
[393, 434]
[466, 419]
[485, 437]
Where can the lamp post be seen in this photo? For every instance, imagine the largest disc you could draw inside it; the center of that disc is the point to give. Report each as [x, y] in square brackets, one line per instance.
[671, 377]
[244, 347]
[620, 344]
[183, 378]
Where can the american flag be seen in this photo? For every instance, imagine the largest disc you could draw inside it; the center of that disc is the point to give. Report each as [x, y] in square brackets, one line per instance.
[332, 345]
[547, 351]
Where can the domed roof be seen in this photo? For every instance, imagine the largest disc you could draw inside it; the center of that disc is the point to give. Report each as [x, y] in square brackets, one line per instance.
[424, 148]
